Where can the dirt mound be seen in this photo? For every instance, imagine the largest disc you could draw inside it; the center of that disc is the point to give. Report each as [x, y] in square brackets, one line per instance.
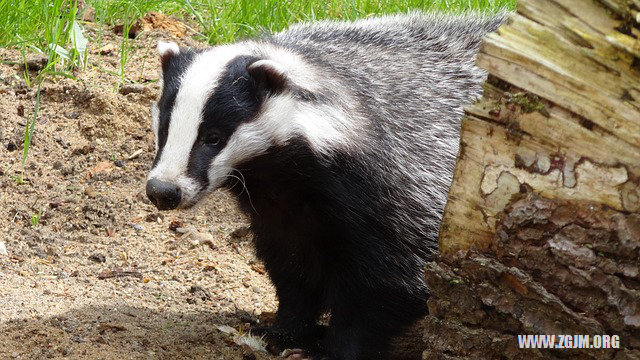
[91, 270]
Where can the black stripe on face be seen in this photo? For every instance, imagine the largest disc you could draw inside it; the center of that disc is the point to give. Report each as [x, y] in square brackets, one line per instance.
[235, 100]
[173, 69]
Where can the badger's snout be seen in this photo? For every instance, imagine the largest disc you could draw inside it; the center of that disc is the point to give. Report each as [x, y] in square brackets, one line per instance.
[164, 195]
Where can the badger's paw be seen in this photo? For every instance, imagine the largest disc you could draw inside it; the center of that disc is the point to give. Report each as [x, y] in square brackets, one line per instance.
[275, 340]
[279, 341]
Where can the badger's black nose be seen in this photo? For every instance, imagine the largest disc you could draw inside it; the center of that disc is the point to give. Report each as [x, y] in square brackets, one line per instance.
[164, 195]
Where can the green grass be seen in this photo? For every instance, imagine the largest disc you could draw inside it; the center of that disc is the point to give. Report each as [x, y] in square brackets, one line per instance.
[241, 18]
[41, 25]
[35, 218]
[54, 28]
[222, 21]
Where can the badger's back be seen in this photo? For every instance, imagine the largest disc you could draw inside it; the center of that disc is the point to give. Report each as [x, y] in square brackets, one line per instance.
[409, 77]
[391, 59]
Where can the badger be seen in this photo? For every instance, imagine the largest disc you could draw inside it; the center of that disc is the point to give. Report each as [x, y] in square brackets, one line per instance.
[338, 140]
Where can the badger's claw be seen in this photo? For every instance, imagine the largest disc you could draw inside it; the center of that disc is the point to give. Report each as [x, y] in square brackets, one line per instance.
[300, 354]
[295, 354]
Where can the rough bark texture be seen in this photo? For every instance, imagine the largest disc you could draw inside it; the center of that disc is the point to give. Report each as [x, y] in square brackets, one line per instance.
[555, 267]
[541, 234]
[561, 113]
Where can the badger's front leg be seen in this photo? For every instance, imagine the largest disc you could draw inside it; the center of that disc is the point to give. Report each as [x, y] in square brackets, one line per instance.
[363, 320]
[299, 301]
[298, 309]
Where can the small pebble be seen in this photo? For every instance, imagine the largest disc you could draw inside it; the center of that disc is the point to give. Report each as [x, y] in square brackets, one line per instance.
[240, 232]
[107, 49]
[138, 227]
[201, 237]
[78, 339]
[119, 163]
[131, 88]
[175, 225]
[73, 115]
[11, 146]
[3, 249]
[67, 170]
[135, 154]
[99, 258]
[90, 191]
[182, 230]
[155, 217]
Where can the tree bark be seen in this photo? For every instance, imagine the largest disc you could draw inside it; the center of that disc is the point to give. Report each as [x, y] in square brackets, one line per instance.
[541, 234]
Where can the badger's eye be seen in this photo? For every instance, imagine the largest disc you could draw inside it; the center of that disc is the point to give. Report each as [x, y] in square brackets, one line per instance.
[212, 140]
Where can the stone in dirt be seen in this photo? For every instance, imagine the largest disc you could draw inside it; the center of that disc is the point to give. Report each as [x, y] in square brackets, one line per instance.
[90, 191]
[101, 167]
[3, 249]
[240, 232]
[131, 88]
[99, 258]
[135, 154]
[154, 217]
[11, 146]
[175, 225]
[107, 49]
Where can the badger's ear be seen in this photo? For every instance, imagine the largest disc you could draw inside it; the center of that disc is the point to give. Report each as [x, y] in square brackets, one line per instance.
[269, 75]
[167, 50]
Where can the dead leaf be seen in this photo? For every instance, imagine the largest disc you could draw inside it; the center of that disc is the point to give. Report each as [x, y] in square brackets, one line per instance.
[259, 268]
[154, 20]
[118, 273]
[101, 167]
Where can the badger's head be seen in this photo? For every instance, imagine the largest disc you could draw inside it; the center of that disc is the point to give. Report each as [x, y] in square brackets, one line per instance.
[223, 106]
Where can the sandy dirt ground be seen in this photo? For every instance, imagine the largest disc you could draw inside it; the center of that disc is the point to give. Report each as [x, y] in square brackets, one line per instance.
[102, 275]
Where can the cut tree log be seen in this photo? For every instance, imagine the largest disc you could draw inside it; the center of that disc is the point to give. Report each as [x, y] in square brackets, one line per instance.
[561, 113]
[541, 234]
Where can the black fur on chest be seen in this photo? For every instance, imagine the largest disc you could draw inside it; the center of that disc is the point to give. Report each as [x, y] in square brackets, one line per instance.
[323, 219]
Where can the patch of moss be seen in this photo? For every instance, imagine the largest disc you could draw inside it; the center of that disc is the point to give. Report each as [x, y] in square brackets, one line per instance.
[527, 102]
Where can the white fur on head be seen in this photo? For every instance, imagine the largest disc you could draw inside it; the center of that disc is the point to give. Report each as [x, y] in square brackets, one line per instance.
[167, 48]
[281, 118]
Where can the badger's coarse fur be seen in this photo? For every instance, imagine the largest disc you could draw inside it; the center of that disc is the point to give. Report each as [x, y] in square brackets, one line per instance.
[339, 140]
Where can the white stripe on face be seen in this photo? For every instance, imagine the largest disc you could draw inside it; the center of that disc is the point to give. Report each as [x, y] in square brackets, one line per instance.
[282, 118]
[155, 123]
[196, 85]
